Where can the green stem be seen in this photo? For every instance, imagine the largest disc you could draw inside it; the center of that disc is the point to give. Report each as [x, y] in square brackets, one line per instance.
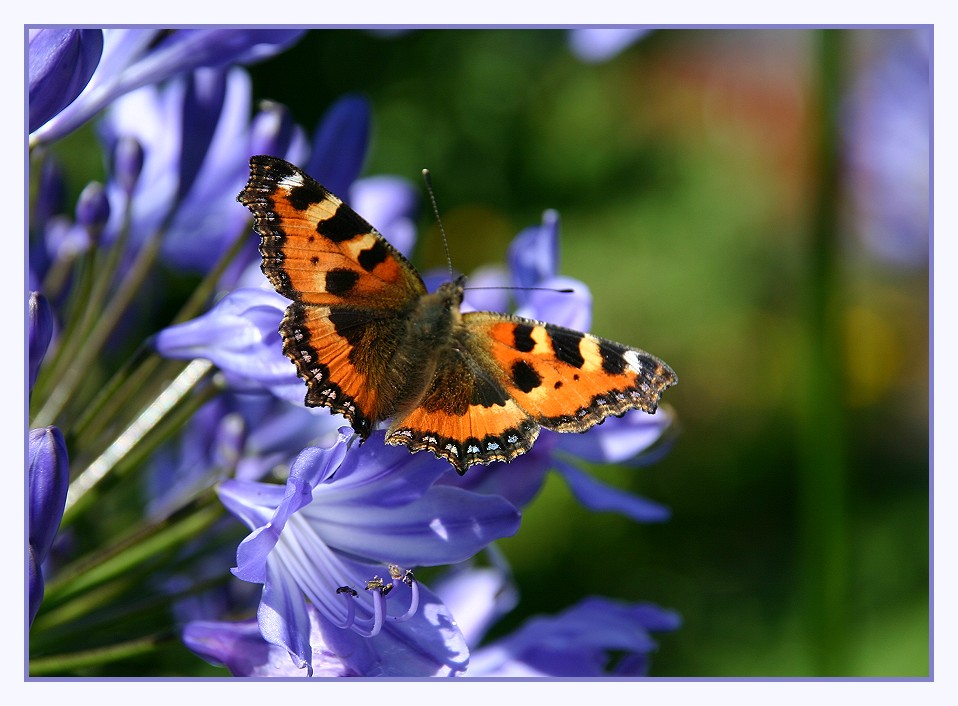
[79, 365]
[63, 665]
[128, 555]
[150, 418]
[204, 291]
[823, 465]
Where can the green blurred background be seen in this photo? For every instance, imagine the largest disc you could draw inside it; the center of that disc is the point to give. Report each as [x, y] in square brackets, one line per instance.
[709, 199]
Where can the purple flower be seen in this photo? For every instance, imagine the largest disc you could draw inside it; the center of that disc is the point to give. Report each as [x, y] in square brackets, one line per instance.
[597, 637]
[40, 331]
[238, 434]
[195, 136]
[61, 62]
[48, 478]
[597, 44]
[133, 58]
[887, 135]
[240, 647]
[330, 535]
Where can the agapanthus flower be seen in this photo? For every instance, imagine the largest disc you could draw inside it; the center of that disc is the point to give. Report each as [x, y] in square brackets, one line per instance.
[597, 637]
[48, 475]
[61, 62]
[597, 44]
[887, 140]
[39, 332]
[196, 135]
[344, 535]
[133, 58]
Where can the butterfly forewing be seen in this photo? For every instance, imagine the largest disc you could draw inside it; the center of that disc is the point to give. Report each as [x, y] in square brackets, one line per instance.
[568, 380]
[316, 249]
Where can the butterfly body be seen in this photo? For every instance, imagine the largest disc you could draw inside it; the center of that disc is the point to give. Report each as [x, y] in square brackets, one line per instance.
[373, 344]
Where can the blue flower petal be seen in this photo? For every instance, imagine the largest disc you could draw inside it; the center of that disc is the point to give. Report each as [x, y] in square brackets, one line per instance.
[339, 145]
[477, 597]
[603, 498]
[202, 105]
[49, 478]
[534, 253]
[133, 58]
[570, 309]
[40, 331]
[283, 619]
[445, 526]
[579, 642]
[240, 336]
[61, 62]
[617, 439]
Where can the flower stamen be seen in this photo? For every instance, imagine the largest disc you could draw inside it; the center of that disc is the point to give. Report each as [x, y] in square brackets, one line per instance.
[380, 589]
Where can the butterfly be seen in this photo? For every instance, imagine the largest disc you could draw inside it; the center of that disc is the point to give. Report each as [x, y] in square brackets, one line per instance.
[373, 344]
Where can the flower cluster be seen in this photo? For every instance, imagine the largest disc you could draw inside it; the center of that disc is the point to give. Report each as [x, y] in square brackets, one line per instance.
[208, 412]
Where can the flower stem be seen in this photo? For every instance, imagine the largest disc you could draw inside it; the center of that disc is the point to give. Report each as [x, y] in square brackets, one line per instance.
[205, 289]
[120, 449]
[823, 464]
[79, 365]
[128, 554]
[66, 663]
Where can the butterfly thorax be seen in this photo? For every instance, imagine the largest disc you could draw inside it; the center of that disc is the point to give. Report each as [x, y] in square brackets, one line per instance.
[430, 332]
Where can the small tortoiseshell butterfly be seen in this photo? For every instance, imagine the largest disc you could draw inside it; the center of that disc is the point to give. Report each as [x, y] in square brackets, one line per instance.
[373, 344]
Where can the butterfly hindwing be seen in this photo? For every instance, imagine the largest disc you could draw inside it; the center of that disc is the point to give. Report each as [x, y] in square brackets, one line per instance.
[465, 415]
[344, 355]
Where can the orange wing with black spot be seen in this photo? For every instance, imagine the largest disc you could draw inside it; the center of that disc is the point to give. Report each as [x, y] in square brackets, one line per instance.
[506, 377]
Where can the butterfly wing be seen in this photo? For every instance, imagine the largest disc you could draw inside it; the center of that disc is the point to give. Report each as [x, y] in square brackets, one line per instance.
[348, 285]
[465, 414]
[566, 380]
[505, 377]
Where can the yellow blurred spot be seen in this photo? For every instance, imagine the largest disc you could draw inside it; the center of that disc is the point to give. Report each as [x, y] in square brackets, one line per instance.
[874, 356]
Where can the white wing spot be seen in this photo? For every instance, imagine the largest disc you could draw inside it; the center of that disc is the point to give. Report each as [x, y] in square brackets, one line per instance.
[492, 446]
[453, 449]
[291, 181]
[632, 359]
[472, 449]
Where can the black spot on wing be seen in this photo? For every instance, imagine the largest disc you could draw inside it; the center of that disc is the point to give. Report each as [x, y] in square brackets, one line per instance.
[525, 376]
[373, 255]
[302, 197]
[613, 357]
[522, 337]
[343, 225]
[340, 281]
[565, 344]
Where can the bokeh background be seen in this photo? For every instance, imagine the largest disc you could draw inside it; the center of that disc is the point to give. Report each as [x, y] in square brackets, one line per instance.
[751, 205]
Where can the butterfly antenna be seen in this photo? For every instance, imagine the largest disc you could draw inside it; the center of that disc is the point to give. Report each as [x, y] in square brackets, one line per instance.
[435, 209]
